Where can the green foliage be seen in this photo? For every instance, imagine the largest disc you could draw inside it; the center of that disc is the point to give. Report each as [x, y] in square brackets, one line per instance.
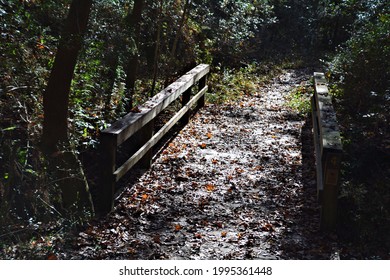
[360, 73]
[299, 99]
[229, 26]
[363, 64]
[230, 84]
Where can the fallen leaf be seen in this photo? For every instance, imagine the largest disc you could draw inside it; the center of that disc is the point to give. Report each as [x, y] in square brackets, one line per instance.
[219, 224]
[135, 110]
[209, 135]
[203, 145]
[239, 170]
[223, 234]
[178, 227]
[52, 256]
[157, 239]
[210, 187]
[267, 227]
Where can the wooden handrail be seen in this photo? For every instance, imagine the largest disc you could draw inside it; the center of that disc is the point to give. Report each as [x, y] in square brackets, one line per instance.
[139, 127]
[328, 149]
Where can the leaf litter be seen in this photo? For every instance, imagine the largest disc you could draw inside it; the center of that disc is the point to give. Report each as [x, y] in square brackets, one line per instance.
[238, 182]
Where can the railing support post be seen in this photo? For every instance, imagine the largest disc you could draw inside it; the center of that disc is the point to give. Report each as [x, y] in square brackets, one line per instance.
[107, 181]
[202, 84]
[186, 97]
[331, 161]
[143, 136]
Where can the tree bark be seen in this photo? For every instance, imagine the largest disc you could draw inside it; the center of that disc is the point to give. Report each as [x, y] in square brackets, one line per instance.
[112, 61]
[56, 95]
[157, 48]
[176, 41]
[64, 168]
[133, 20]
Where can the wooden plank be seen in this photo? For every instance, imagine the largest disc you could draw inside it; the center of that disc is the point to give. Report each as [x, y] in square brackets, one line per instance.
[121, 171]
[329, 130]
[328, 148]
[317, 148]
[132, 122]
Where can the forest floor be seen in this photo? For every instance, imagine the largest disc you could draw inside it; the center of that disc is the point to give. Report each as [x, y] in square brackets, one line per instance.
[238, 182]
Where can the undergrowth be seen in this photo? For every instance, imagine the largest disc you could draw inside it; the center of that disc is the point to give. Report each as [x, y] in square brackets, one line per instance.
[229, 84]
[299, 99]
[364, 202]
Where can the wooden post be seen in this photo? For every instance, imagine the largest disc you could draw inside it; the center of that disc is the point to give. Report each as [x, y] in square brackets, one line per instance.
[202, 84]
[186, 97]
[331, 161]
[143, 136]
[107, 182]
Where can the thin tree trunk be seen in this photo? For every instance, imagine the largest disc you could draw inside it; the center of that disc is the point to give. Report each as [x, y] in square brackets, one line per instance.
[110, 75]
[176, 41]
[64, 168]
[56, 96]
[157, 49]
[133, 20]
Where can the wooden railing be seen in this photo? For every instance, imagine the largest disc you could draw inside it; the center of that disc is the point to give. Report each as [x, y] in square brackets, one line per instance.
[328, 149]
[139, 126]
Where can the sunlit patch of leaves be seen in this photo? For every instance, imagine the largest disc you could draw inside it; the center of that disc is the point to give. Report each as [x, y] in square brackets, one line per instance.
[299, 99]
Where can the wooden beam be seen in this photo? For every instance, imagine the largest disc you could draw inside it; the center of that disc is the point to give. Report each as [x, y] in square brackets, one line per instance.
[328, 148]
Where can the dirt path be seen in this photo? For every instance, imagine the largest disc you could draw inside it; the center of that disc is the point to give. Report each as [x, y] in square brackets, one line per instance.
[238, 182]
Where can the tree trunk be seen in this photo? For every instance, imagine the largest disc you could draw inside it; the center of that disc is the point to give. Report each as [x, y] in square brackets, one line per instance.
[176, 41]
[56, 96]
[63, 166]
[112, 61]
[133, 20]
[157, 49]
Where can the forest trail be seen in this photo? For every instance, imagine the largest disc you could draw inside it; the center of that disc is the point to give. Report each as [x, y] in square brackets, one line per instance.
[238, 182]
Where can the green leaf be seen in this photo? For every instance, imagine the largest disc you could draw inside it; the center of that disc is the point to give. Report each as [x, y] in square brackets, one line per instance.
[9, 128]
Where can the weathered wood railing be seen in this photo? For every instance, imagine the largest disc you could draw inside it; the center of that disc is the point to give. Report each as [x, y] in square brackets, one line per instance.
[139, 127]
[328, 149]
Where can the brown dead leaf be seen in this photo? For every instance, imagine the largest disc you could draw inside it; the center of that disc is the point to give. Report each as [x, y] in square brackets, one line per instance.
[219, 224]
[223, 234]
[135, 110]
[267, 227]
[239, 170]
[178, 227]
[203, 145]
[157, 239]
[209, 135]
[52, 256]
[145, 197]
[210, 187]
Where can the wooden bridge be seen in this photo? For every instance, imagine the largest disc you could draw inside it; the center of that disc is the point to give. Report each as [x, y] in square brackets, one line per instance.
[137, 128]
